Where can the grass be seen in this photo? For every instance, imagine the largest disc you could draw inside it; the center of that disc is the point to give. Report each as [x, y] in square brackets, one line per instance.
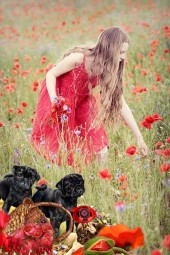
[30, 30]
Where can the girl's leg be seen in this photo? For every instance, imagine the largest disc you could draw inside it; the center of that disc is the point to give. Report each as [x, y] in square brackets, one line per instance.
[102, 157]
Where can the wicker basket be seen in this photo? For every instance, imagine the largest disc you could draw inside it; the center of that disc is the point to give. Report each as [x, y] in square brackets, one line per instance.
[28, 212]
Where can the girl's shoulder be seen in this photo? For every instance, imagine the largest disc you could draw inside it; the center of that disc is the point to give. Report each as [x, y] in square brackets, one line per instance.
[76, 57]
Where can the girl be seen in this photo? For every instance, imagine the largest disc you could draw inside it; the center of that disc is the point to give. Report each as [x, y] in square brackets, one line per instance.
[67, 117]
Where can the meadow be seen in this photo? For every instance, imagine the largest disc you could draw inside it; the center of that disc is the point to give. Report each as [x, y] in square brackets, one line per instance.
[33, 36]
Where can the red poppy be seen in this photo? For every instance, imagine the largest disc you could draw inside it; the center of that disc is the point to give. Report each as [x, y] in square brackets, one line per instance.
[138, 89]
[123, 236]
[158, 144]
[165, 168]
[24, 104]
[139, 55]
[166, 242]
[46, 240]
[60, 110]
[43, 59]
[130, 150]
[158, 77]
[102, 245]
[19, 111]
[167, 140]
[144, 72]
[156, 252]
[123, 178]
[47, 228]
[42, 181]
[16, 125]
[35, 84]
[27, 58]
[80, 251]
[157, 117]
[99, 245]
[33, 230]
[83, 214]
[17, 65]
[165, 153]
[1, 124]
[166, 51]
[10, 110]
[104, 174]
[145, 124]
[149, 119]
[2, 240]
[4, 219]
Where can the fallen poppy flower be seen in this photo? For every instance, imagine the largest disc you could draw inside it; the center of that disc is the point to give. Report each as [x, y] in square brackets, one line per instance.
[130, 150]
[123, 236]
[104, 174]
[83, 214]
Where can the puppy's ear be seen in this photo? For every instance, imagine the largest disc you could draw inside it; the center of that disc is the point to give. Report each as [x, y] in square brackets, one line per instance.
[59, 185]
[14, 169]
[37, 176]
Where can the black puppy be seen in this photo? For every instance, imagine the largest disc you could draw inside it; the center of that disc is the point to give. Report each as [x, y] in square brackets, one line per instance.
[15, 187]
[69, 189]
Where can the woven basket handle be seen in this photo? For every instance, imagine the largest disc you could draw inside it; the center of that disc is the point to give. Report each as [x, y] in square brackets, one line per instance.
[63, 236]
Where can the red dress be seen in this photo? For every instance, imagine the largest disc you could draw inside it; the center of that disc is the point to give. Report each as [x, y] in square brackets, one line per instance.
[78, 137]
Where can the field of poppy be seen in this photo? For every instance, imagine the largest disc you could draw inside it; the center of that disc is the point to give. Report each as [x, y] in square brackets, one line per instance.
[34, 35]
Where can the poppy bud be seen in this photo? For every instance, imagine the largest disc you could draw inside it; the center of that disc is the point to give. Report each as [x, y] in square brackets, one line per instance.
[99, 245]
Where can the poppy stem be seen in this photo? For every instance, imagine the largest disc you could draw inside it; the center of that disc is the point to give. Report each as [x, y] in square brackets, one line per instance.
[120, 250]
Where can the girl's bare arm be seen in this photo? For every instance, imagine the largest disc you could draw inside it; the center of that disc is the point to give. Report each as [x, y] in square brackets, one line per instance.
[64, 66]
[130, 121]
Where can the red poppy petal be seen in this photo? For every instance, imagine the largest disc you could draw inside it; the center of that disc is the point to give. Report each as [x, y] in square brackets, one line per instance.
[83, 214]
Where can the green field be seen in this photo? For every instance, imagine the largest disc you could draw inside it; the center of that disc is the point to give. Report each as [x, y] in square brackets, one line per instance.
[33, 36]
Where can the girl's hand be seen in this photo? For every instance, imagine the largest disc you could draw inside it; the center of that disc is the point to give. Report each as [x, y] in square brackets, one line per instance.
[142, 147]
[54, 100]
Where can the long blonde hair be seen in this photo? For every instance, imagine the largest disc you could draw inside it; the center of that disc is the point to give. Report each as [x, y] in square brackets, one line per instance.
[106, 54]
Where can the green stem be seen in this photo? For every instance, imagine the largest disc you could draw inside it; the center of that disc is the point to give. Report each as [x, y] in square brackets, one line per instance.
[120, 250]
